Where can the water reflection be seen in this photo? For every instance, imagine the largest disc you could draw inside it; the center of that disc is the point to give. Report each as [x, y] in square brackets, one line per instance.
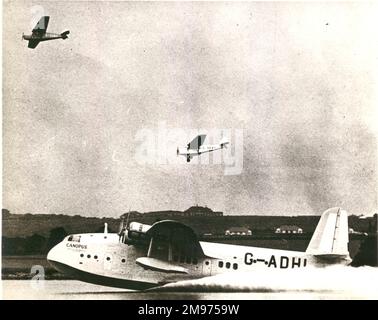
[317, 283]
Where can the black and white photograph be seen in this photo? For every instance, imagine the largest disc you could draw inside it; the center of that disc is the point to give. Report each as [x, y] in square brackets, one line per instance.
[184, 150]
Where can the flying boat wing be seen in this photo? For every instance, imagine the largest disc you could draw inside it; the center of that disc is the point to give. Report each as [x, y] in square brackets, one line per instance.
[173, 248]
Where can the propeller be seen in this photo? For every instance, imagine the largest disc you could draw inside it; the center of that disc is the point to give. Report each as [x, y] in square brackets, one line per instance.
[121, 226]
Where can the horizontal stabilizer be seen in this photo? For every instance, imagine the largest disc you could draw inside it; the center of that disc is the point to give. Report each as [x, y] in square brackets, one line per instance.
[332, 258]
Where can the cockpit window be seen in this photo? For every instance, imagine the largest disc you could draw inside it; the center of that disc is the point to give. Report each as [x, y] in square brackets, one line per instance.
[74, 238]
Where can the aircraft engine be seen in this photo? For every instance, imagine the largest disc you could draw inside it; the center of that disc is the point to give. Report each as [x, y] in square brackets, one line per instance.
[136, 233]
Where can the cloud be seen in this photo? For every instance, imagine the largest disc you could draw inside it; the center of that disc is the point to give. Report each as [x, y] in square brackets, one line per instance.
[298, 89]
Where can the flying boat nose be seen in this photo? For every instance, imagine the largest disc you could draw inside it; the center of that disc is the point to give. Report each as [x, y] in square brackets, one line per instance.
[56, 259]
[52, 254]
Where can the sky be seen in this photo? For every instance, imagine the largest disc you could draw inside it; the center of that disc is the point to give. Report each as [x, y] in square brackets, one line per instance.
[91, 124]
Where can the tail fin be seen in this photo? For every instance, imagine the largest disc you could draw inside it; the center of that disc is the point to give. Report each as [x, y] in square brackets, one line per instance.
[224, 142]
[65, 34]
[330, 239]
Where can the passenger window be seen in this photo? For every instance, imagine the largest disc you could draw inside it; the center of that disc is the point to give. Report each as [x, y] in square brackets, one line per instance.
[123, 260]
[207, 263]
[228, 265]
[95, 257]
[235, 266]
[88, 256]
[220, 264]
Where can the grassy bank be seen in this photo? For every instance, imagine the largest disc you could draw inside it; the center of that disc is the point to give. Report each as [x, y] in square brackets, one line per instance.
[24, 268]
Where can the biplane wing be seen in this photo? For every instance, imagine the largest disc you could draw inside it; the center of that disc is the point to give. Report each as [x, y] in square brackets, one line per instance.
[41, 26]
[197, 142]
[33, 43]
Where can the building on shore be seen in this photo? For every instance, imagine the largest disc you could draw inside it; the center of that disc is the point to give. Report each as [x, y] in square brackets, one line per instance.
[289, 229]
[238, 231]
